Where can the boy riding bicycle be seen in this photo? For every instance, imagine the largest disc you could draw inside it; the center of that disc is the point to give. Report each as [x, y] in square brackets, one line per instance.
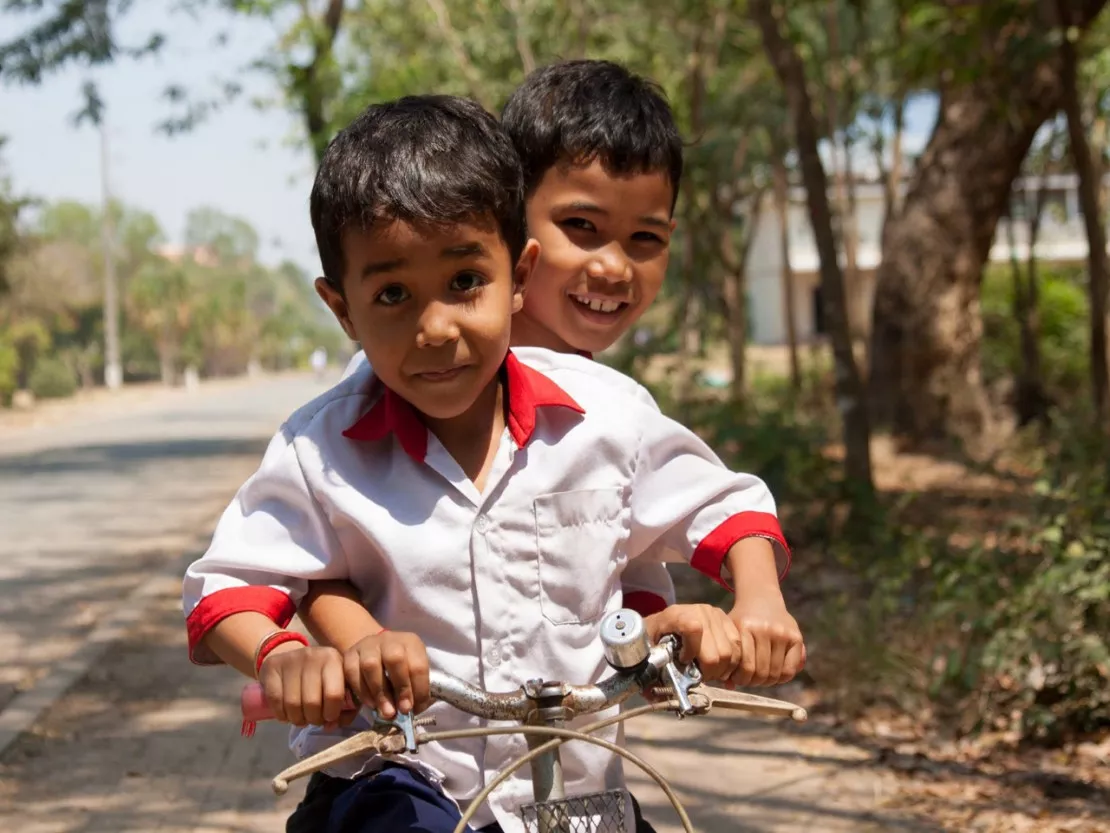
[485, 505]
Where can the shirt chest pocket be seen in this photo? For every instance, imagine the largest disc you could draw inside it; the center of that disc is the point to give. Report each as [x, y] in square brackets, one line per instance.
[580, 544]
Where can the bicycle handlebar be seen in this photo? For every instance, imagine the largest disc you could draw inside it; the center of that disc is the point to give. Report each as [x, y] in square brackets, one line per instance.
[512, 705]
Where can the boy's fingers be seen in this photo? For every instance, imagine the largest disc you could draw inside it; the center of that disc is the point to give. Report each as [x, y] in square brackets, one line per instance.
[779, 645]
[730, 647]
[793, 662]
[716, 654]
[762, 659]
[272, 688]
[743, 676]
[335, 689]
[312, 692]
[374, 684]
[395, 659]
[352, 673]
[692, 630]
[420, 674]
[291, 696]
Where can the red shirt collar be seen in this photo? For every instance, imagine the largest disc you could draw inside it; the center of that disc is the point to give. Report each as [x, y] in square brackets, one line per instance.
[526, 389]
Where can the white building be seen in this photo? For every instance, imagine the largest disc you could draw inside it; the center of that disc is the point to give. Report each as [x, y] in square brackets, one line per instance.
[1062, 238]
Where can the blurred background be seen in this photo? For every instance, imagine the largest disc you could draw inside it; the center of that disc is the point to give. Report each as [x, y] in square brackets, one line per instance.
[887, 296]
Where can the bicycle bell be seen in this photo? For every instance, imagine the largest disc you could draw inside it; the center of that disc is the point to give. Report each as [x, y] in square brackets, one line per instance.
[625, 639]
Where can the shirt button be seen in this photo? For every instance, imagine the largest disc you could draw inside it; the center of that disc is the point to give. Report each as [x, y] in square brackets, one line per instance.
[482, 524]
[493, 657]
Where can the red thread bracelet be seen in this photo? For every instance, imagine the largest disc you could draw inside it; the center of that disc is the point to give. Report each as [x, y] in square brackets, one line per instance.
[272, 641]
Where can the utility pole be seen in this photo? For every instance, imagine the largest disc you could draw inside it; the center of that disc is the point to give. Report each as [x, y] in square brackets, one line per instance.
[113, 370]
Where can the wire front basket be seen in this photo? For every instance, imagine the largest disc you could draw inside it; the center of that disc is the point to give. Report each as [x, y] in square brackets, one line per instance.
[602, 812]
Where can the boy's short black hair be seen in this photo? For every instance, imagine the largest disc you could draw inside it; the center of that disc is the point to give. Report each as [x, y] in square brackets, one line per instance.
[424, 160]
[584, 110]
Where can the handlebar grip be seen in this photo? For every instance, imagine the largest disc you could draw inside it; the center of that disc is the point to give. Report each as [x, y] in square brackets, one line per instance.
[253, 703]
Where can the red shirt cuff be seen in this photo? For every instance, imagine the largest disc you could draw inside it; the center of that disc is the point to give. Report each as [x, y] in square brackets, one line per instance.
[270, 602]
[709, 557]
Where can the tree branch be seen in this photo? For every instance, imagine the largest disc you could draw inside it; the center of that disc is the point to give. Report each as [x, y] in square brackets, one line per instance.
[456, 45]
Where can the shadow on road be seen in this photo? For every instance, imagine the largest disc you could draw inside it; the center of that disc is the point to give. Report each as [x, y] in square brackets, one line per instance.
[118, 457]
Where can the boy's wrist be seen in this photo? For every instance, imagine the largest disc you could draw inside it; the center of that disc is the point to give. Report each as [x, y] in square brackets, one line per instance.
[279, 641]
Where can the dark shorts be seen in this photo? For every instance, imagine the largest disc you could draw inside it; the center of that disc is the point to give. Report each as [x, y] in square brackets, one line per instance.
[396, 800]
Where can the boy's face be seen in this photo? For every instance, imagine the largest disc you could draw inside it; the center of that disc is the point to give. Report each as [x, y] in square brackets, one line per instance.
[604, 245]
[431, 307]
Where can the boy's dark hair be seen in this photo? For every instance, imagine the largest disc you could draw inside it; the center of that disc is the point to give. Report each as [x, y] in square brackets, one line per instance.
[573, 112]
[424, 160]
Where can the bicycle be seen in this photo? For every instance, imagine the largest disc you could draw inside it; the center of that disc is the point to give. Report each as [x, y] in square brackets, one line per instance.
[541, 708]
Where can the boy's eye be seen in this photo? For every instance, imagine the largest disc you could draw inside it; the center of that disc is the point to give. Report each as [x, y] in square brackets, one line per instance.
[467, 282]
[578, 223]
[647, 237]
[391, 295]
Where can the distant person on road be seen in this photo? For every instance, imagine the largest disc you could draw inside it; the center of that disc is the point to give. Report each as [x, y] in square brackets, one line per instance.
[319, 361]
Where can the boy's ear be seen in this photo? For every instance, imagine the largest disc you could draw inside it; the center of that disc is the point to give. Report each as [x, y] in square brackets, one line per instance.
[522, 273]
[338, 306]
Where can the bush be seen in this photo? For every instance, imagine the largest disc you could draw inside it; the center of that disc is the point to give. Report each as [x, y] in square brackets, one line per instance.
[52, 378]
[9, 370]
[1063, 325]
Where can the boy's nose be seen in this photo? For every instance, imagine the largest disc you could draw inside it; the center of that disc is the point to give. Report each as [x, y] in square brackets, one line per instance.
[610, 264]
[437, 326]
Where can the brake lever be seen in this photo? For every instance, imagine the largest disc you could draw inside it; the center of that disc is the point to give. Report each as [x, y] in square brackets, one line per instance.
[403, 721]
[754, 703]
[681, 682]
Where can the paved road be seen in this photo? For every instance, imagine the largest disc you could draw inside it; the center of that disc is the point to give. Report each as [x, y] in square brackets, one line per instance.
[94, 507]
[90, 508]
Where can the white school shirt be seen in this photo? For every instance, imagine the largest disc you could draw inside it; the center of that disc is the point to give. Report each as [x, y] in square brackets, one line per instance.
[503, 585]
[646, 586]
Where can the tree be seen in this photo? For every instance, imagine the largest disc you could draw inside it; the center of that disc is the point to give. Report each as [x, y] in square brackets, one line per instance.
[925, 372]
[1031, 398]
[1088, 171]
[211, 232]
[768, 16]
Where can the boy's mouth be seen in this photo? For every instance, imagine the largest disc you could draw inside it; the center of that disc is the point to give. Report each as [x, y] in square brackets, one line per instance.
[441, 375]
[598, 306]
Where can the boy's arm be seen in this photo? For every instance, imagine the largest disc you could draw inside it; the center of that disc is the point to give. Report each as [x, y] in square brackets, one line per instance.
[771, 646]
[236, 638]
[334, 614]
[270, 541]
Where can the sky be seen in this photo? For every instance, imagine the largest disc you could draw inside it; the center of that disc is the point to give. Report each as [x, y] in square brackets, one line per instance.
[240, 161]
[244, 161]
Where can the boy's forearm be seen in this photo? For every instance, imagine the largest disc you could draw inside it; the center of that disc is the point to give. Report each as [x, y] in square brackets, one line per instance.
[236, 638]
[334, 614]
[751, 565]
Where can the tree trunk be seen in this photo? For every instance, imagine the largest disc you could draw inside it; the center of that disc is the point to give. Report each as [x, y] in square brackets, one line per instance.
[734, 291]
[839, 150]
[850, 393]
[308, 81]
[1089, 187]
[1030, 399]
[782, 213]
[689, 336]
[926, 380]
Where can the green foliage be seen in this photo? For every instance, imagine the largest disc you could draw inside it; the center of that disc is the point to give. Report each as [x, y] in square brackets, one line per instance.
[1035, 606]
[52, 378]
[9, 369]
[1063, 328]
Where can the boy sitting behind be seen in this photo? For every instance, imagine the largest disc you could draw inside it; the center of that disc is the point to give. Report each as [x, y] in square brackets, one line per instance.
[484, 510]
[602, 160]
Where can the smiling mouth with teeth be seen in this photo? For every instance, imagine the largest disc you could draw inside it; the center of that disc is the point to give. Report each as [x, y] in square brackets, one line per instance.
[598, 304]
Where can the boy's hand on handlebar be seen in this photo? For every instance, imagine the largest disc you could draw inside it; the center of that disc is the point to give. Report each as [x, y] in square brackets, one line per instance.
[389, 672]
[772, 648]
[708, 636]
[304, 686]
